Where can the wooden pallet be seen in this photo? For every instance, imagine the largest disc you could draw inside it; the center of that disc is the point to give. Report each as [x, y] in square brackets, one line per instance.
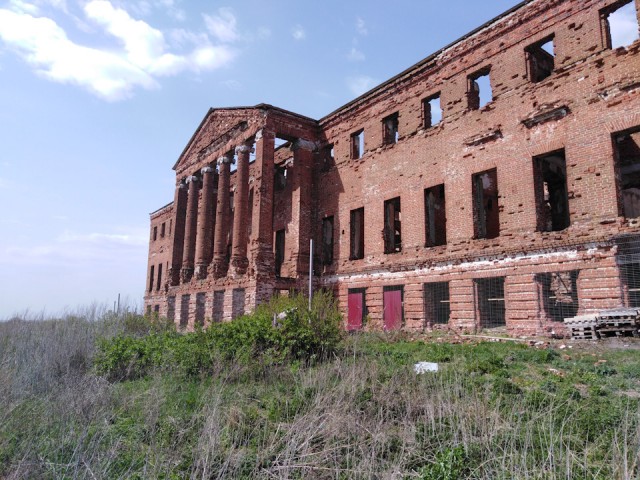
[585, 333]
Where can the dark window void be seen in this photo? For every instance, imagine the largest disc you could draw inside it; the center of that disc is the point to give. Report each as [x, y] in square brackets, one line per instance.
[279, 253]
[552, 200]
[171, 308]
[155, 233]
[357, 144]
[479, 90]
[630, 275]
[151, 276]
[170, 225]
[327, 240]
[357, 234]
[540, 59]
[327, 158]
[627, 152]
[218, 306]
[163, 228]
[431, 111]
[490, 301]
[200, 307]
[237, 305]
[558, 294]
[280, 178]
[435, 216]
[392, 226]
[159, 282]
[436, 303]
[485, 204]
[156, 310]
[390, 129]
[620, 24]
[184, 310]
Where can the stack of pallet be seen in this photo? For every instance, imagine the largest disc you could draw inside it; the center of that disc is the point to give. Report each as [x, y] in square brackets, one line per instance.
[606, 323]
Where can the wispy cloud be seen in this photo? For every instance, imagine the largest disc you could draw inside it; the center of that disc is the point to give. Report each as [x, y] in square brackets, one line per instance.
[232, 84]
[109, 73]
[624, 26]
[298, 32]
[223, 25]
[355, 55]
[360, 84]
[361, 27]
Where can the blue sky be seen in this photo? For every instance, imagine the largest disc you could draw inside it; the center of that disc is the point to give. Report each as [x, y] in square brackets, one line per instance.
[98, 98]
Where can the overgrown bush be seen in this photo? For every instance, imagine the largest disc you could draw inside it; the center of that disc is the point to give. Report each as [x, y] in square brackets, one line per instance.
[284, 330]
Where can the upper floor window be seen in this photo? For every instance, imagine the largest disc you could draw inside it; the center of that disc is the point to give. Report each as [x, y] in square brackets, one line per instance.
[627, 156]
[327, 158]
[155, 233]
[327, 240]
[552, 200]
[357, 144]
[479, 91]
[163, 228]
[357, 234]
[485, 204]
[390, 129]
[620, 24]
[435, 216]
[392, 226]
[431, 110]
[540, 59]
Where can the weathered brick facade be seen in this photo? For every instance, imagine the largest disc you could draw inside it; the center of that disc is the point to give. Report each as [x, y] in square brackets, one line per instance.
[515, 206]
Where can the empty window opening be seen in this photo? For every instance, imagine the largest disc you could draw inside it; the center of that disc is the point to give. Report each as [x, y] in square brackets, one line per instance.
[156, 310]
[155, 233]
[431, 111]
[171, 308]
[151, 276]
[390, 129]
[393, 311]
[148, 310]
[279, 253]
[159, 282]
[552, 200]
[357, 234]
[170, 225]
[436, 303]
[327, 158]
[280, 178]
[357, 144]
[162, 229]
[184, 310]
[485, 204]
[627, 151]
[558, 294]
[200, 307]
[620, 24]
[479, 90]
[327, 240]
[357, 309]
[540, 59]
[490, 302]
[218, 306]
[435, 216]
[392, 226]
[237, 305]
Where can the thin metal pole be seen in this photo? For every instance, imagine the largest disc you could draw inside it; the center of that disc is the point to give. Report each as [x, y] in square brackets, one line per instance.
[118, 304]
[310, 271]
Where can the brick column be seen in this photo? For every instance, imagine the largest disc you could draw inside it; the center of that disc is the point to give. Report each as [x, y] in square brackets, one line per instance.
[179, 215]
[301, 202]
[190, 231]
[222, 217]
[239, 262]
[204, 242]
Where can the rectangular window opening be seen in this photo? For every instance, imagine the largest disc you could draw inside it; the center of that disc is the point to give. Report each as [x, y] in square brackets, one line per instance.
[327, 240]
[155, 233]
[541, 59]
[436, 303]
[280, 178]
[620, 24]
[479, 89]
[184, 310]
[431, 111]
[392, 226]
[159, 282]
[151, 277]
[238, 303]
[357, 144]
[490, 302]
[327, 158]
[552, 199]
[435, 216]
[200, 308]
[162, 229]
[218, 306]
[627, 155]
[390, 129]
[485, 204]
[558, 294]
[171, 308]
[357, 234]
[279, 253]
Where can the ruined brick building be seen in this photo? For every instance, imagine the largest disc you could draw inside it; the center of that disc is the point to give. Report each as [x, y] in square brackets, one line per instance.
[495, 183]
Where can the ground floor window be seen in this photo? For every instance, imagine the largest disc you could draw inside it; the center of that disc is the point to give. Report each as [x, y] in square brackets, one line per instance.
[558, 294]
[490, 302]
[436, 303]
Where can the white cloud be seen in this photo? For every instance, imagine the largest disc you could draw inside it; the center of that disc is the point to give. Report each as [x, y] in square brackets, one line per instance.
[298, 32]
[232, 84]
[361, 27]
[223, 25]
[361, 84]
[624, 26]
[355, 55]
[106, 72]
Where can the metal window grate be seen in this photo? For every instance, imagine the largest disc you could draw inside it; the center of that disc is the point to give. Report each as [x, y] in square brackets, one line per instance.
[559, 294]
[436, 303]
[490, 302]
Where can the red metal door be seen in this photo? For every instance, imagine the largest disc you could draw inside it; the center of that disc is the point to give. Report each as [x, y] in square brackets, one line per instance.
[355, 305]
[392, 309]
